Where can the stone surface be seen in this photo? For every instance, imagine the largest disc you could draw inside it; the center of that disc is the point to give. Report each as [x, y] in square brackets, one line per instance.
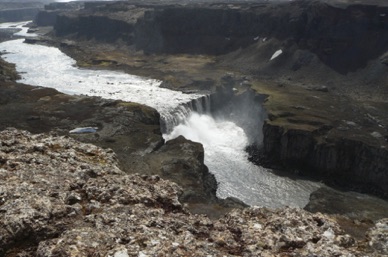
[378, 237]
[60, 197]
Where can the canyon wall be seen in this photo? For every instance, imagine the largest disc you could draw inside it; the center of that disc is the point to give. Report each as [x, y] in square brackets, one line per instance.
[345, 162]
[13, 15]
[345, 38]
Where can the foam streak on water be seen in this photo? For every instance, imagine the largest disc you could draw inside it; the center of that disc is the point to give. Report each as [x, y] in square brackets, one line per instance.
[224, 141]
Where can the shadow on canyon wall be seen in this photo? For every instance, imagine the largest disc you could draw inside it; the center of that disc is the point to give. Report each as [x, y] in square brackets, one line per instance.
[344, 38]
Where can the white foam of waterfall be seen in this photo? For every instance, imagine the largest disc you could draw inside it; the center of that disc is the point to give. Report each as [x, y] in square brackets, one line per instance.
[224, 143]
[180, 114]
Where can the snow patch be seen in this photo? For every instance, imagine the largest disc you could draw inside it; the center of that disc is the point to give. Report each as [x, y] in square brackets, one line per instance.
[83, 130]
[276, 54]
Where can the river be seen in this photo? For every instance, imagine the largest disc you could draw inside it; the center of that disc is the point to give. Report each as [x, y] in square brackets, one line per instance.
[224, 141]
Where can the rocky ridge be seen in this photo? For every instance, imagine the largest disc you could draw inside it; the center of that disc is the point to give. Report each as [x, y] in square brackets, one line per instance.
[65, 198]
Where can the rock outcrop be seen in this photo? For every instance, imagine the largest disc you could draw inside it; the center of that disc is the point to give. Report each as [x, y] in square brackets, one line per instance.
[48, 16]
[7, 71]
[346, 162]
[65, 198]
[327, 137]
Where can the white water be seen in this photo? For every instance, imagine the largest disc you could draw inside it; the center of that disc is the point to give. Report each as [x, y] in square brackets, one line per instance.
[224, 141]
[18, 25]
[224, 144]
[49, 67]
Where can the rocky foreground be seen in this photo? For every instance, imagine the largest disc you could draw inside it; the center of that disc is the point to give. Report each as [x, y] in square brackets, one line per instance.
[60, 197]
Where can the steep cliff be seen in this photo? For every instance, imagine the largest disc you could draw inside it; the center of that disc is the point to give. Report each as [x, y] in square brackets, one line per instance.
[345, 162]
[100, 23]
[344, 38]
[12, 11]
[325, 136]
[13, 15]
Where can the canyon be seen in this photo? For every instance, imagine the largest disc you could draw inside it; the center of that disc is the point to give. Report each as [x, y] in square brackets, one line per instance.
[318, 68]
[325, 91]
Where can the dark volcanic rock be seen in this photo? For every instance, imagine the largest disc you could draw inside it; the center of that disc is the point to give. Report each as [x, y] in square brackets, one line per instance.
[345, 162]
[331, 201]
[48, 16]
[18, 14]
[12, 11]
[103, 24]
[345, 38]
[182, 161]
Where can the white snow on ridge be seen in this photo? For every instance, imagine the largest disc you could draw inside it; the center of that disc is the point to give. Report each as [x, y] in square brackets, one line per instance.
[83, 130]
[276, 54]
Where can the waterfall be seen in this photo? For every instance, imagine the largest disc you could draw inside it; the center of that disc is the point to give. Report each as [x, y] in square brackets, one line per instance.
[181, 113]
